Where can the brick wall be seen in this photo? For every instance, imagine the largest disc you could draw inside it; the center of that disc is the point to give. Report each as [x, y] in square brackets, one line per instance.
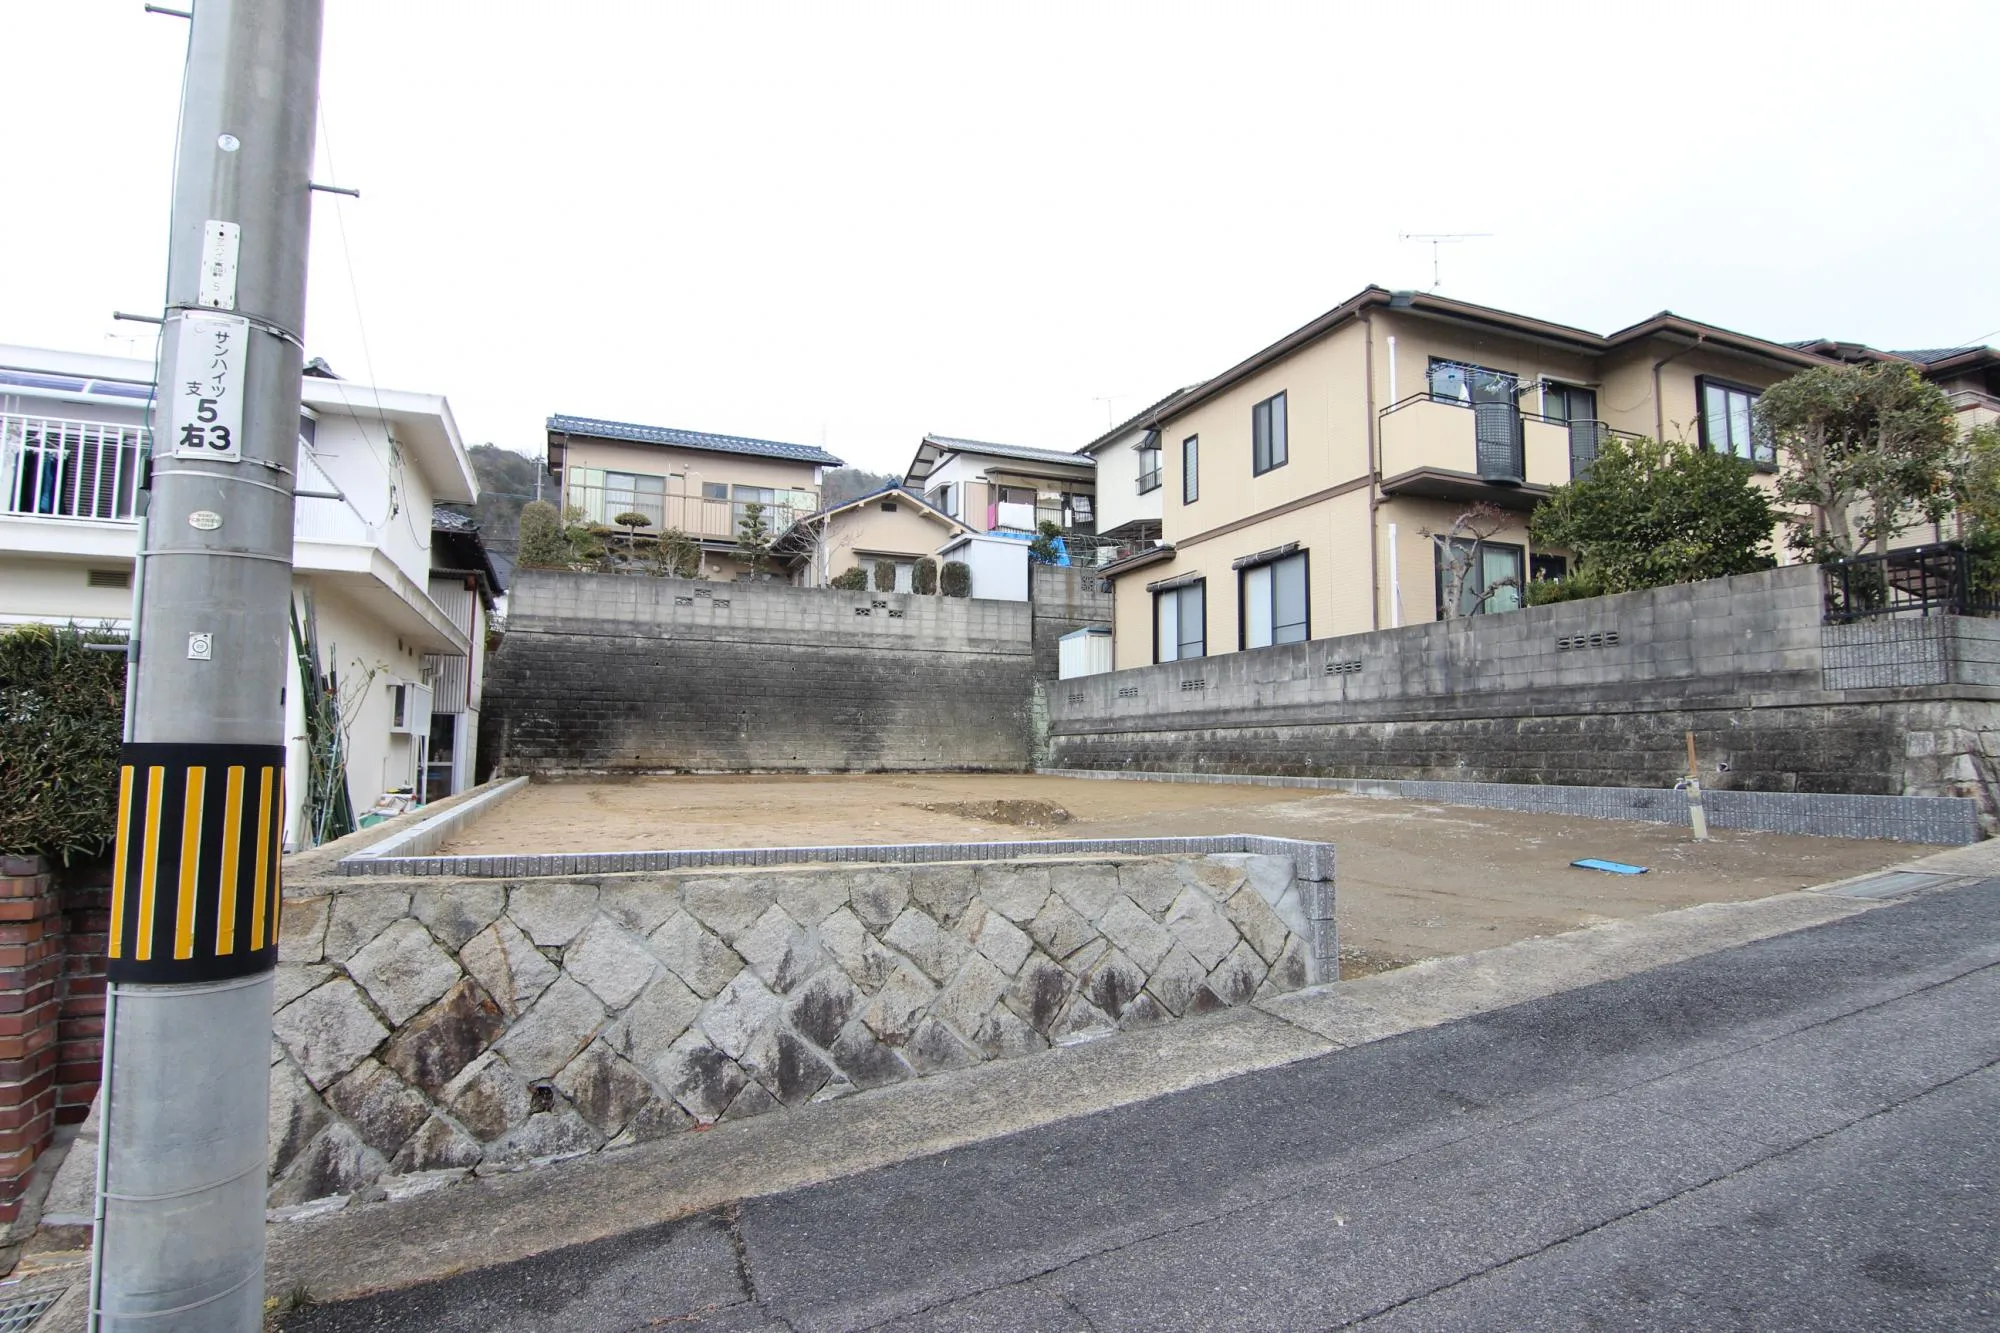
[609, 673]
[86, 919]
[31, 964]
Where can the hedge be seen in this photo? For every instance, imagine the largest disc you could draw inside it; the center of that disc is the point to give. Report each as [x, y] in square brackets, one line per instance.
[62, 720]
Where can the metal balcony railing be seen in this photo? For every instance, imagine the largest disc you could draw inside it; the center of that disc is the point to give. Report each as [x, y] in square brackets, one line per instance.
[1149, 481]
[1919, 581]
[58, 468]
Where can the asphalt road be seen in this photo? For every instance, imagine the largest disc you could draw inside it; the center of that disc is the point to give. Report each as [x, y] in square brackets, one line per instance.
[1793, 1134]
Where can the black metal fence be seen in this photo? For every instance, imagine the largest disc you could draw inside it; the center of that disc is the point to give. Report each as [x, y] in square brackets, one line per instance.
[1944, 580]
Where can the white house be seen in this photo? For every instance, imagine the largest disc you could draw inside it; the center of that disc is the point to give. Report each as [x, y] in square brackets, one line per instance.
[396, 628]
[1128, 483]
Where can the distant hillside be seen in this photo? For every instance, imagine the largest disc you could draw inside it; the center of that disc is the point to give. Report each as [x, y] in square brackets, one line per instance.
[842, 484]
[506, 482]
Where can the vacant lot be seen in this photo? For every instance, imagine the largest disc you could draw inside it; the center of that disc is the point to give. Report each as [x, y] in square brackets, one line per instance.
[1416, 880]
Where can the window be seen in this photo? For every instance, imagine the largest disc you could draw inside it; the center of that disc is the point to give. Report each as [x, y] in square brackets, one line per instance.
[1484, 576]
[944, 499]
[635, 493]
[1548, 567]
[1463, 382]
[1267, 435]
[1190, 469]
[1729, 422]
[715, 490]
[1274, 602]
[1566, 403]
[1180, 622]
[1149, 462]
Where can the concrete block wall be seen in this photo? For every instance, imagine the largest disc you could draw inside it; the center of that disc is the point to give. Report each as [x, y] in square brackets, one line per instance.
[1063, 598]
[1593, 693]
[428, 1029]
[621, 673]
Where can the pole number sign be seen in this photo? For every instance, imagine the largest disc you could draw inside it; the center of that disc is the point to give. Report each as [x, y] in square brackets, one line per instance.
[204, 397]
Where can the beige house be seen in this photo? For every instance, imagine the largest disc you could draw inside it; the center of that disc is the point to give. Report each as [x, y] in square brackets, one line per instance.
[1315, 488]
[890, 527]
[692, 481]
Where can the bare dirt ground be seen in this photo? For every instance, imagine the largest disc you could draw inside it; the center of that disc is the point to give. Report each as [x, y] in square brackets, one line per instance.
[1416, 881]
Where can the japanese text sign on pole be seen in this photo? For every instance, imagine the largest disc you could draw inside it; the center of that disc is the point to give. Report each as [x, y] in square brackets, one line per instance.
[204, 395]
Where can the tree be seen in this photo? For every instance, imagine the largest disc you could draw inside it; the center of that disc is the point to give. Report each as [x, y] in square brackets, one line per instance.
[1653, 512]
[924, 579]
[676, 555]
[850, 580]
[1047, 547]
[1868, 452]
[544, 545]
[632, 520]
[885, 576]
[1461, 557]
[956, 579]
[753, 538]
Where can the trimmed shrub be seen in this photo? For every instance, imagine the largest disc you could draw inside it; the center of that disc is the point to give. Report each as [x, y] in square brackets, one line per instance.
[676, 555]
[924, 579]
[885, 577]
[956, 579]
[544, 545]
[850, 580]
[62, 720]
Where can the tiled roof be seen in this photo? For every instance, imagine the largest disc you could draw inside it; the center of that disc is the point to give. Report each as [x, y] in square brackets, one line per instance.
[691, 439]
[1925, 356]
[1009, 451]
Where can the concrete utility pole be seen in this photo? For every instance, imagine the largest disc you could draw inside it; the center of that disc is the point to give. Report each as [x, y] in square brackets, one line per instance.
[194, 923]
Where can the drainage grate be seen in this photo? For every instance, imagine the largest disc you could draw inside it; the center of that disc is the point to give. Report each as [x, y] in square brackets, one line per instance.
[1888, 884]
[19, 1313]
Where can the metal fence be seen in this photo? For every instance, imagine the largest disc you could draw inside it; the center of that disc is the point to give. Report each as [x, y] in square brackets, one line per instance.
[1918, 581]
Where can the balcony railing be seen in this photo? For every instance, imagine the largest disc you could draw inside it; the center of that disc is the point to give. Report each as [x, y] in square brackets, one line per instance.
[1149, 481]
[57, 468]
[1495, 441]
[704, 519]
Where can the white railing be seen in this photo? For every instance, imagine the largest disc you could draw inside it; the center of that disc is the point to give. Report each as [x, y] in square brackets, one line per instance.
[57, 468]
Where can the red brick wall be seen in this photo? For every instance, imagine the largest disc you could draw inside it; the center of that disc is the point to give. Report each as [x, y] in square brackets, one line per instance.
[31, 983]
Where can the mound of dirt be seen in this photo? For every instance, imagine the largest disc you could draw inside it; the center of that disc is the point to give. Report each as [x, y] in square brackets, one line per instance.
[1026, 814]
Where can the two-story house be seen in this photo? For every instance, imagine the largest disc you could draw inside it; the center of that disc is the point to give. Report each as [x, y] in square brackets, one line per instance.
[372, 464]
[1002, 494]
[690, 481]
[1316, 487]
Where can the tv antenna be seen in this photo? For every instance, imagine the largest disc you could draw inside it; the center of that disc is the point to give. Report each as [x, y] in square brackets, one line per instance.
[1438, 238]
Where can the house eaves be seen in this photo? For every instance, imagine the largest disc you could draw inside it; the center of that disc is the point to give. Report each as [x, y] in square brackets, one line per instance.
[565, 428]
[936, 448]
[1666, 323]
[1136, 421]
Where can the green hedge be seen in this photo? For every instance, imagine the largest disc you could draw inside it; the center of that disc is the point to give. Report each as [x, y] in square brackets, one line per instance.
[62, 710]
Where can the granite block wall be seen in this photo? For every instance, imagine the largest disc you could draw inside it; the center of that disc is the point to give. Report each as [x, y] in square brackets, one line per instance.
[432, 1028]
[603, 673]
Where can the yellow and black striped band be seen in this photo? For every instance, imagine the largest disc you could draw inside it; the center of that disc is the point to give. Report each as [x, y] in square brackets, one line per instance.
[195, 884]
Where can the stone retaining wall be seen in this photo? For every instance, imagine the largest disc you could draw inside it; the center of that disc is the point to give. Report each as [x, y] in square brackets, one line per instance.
[430, 1028]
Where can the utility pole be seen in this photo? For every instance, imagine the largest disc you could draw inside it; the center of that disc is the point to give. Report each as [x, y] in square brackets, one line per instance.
[195, 906]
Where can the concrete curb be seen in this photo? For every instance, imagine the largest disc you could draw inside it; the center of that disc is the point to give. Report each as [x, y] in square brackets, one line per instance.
[426, 836]
[1938, 820]
[485, 1221]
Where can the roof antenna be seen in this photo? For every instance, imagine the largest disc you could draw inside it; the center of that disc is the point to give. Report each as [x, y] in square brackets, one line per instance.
[1107, 400]
[1437, 238]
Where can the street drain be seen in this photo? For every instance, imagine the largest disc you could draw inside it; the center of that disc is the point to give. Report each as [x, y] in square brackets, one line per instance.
[1891, 884]
[19, 1313]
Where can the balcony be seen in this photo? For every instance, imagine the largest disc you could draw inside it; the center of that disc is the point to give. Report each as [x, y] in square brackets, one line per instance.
[714, 521]
[55, 468]
[1494, 452]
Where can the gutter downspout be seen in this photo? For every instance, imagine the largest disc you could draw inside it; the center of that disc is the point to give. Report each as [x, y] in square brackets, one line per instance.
[1659, 407]
[1374, 473]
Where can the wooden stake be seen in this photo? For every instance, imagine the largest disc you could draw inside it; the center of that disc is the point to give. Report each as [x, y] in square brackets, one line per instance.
[1697, 816]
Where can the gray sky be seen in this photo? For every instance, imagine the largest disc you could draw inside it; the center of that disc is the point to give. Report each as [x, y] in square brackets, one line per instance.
[855, 223]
